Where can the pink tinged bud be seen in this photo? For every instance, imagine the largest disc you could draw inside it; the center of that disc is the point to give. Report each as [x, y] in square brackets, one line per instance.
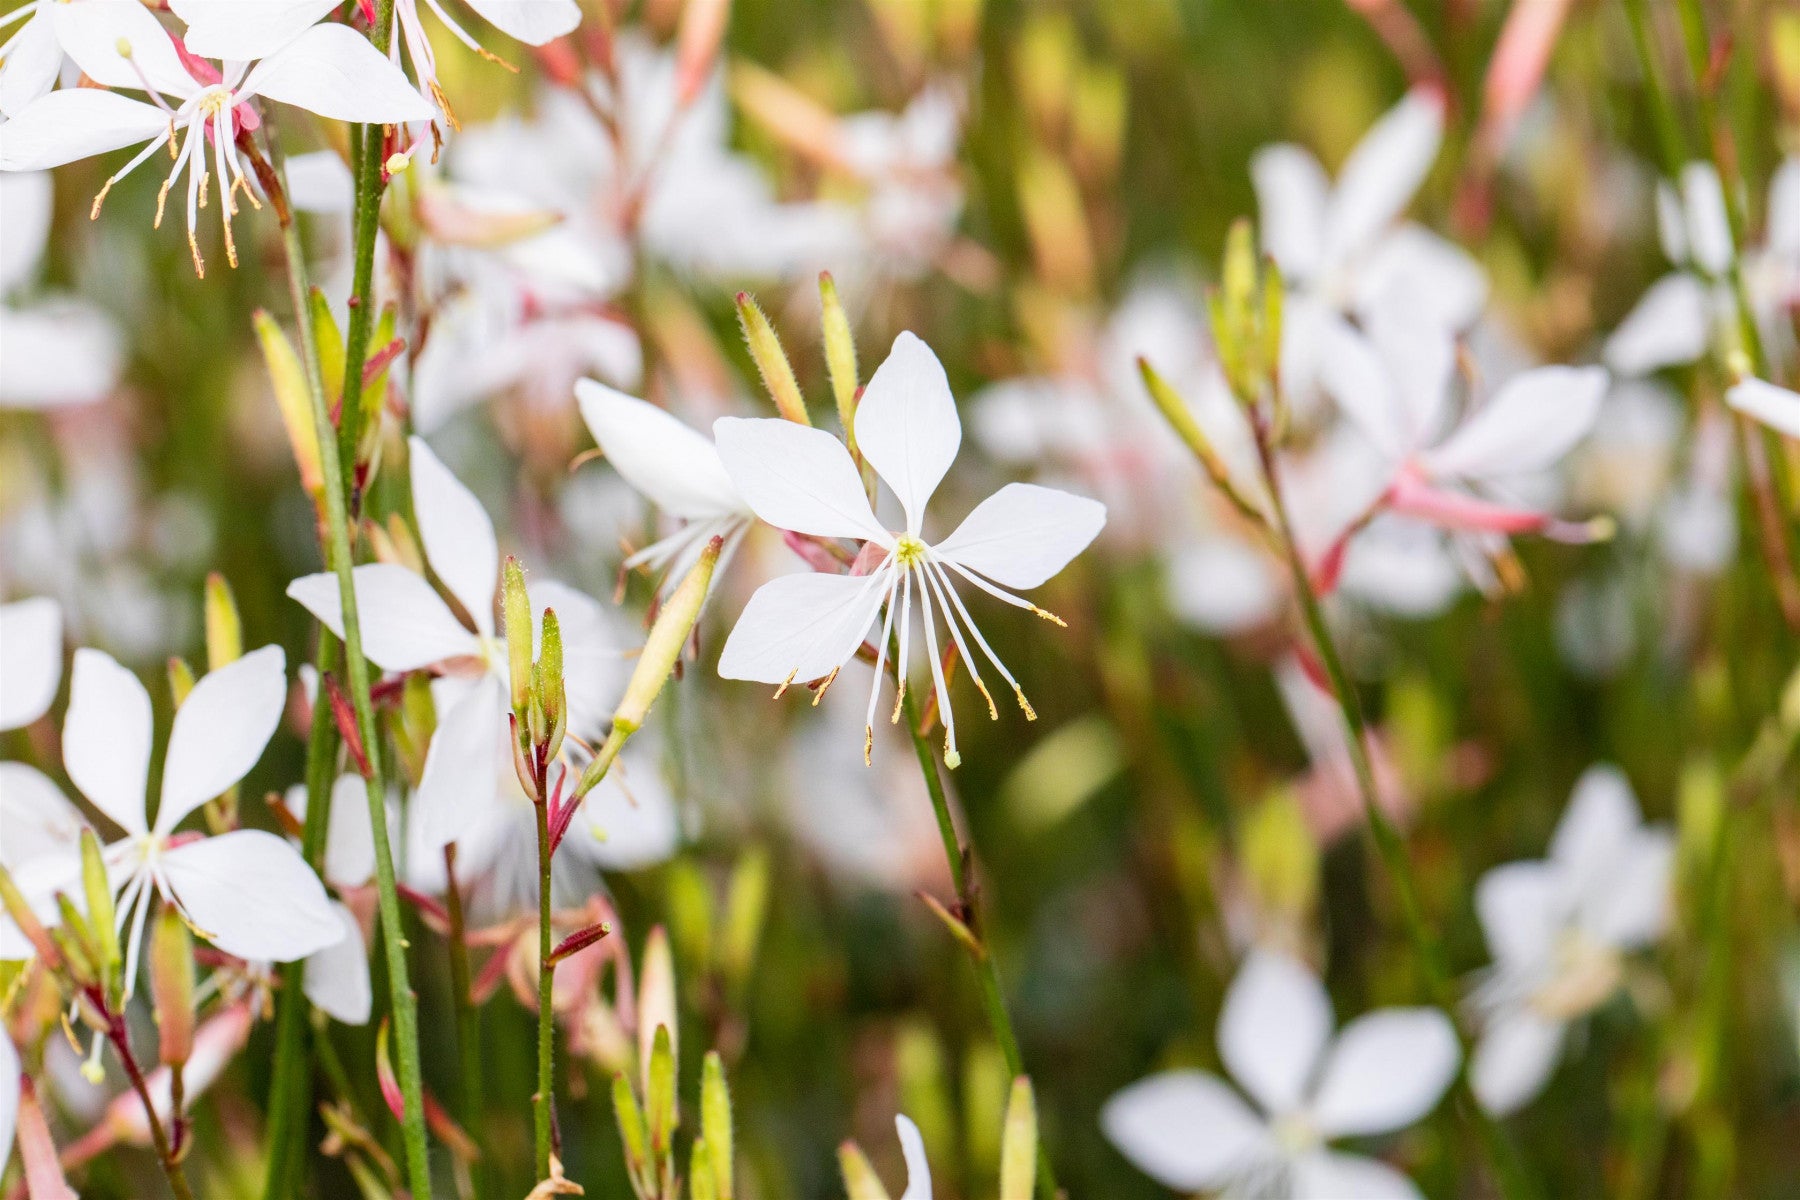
[384, 1074]
[578, 941]
[345, 719]
[172, 987]
[44, 1178]
[656, 998]
[1517, 68]
[702, 29]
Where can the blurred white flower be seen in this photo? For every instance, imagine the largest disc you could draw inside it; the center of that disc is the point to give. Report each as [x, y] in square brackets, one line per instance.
[918, 1167]
[1189, 1130]
[806, 626]
[30, 659]
[1776, 407]
[57, 349]
[1559, 929]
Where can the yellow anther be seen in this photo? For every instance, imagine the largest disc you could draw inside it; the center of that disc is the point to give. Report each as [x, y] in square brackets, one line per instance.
[899, 699]
[784, 683]
[820, 694]
[397, 162]
[868, 745]
[993, 713]
[1030, 712]
[1049, 616]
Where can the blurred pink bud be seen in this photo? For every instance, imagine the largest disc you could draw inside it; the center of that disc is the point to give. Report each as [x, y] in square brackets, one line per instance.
[702, 29]
[1517, 68]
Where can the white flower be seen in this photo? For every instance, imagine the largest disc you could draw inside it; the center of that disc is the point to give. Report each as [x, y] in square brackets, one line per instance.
[30, 659]
[246, 891]
[1190, 1131]
[675, 468]
[329, 69]
[30, 59]
[336, 979]
[1339, 247]
[55, 350]
[918, 1167]
[1559, 929]
[1776, 407]
[806, 626]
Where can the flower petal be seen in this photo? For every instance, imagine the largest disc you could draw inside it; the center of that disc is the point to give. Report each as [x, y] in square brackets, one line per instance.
[458, 536]
[906, 424]
[1522, 907]
[252, 895]
[220, 731]
[1514, 1059]
[74, 355]
[336, 979]
[533, 22]
[801, 627]
[1291, 194]
[1325, 1175]
[1628, 905]
[1708, 227]
[93, 32]
[1386, 1070]
[1380, 176]
[1668, 327]
[1424, 276]
[332, 70]
[1420, 356]
[75, 123]
[106, 738]
[29, 200]
[349, 838]
[240, 31]
[1601, 817]
[1023, 534]
[9, 1090]
[1185, 1129]
[1274, 1027]
[30, 659]
[918, 1167]
[462, 764]
[796, 478]
[1354, 376]
[36, 819]
[1532, 421]
[1784, 209]
[33, 60]
[631, 815]
[405, 625]
[1776, 407]
[677, 468]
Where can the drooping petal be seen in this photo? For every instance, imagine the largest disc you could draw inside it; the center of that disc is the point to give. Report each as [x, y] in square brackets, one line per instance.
[1514, 1059]
[332, 70]
[241, 31]
[1354, 375]
[1522, 907]
[252, 895]
[1274, 1027]
[405, 625]
[1776, 407]
[1327, 1175]
[36, 819]
[336, 979]
[1023, 534]
[220, 731]
[29, 200]
[801, 627]
[1628, 905]
[458, 536]
[349, 838]
[675, 467]
[30, 659]
[533, 22]
[796, 478]
[1386, 1070]
[1601, 817]
[32, 63]
[75, 123]
[918, 1167]
[462, 764]
[1291, 194]
[1185, 1129]
[1532, 421]
[93, 33]
[106, 738]
[906, 425]
[1668, 327]
[1380, 176]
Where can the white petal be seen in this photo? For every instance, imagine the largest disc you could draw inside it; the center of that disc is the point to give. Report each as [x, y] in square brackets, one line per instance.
[1291, 194]
[1514, 1059]
[1420, 357]
[1185, 1129]
[1522, 907]
[1601, 818]
[462, 764]
[246, 30]
[36, 819]
[332, 70]
[1354, 375]
[1668, 327]
[75, 123]
[1708, 228]
[30, 659]
[28, 199]
[1533, 421]
[32, 63]
[1023, 534]
[533, 22]
[9, 1090]
[906, 424]
[106, 738]
[220, 731]
[73, 359]
[1423, 275]
[675, 467]
[336, 979]
[252, 895]
[405, 625]
[1380, 176]
[1324, 1175]
[1222, 585]
[1276, 1021]
[1784, 209]
[1628, 905]
[1386, 1070]
[1776, 407]
[796, 478]
[631, 816]
[93, 31]
[458, 536]
[800, 627]
[318, 181]
[918, 1167]
[349, 838]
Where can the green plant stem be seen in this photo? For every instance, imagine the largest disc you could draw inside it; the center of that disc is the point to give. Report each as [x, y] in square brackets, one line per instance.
[1509, 1170]
[546, 1032]
[159, 1137]
[993, 998]
[356, 670]
[468, 1019]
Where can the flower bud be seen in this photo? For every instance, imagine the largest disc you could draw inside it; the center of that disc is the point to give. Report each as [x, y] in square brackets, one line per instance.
[697, 46]
[330, 345]
[860, 1180]
[771, 361]
[224, 629]
[172, 986]
[1018, 1146]
[659, 1092]
[701, 1184]
[293, 396]
[29, 925]
[633, 1133]
[715, 1122]
[547, 681]
[515, 612]
[97, 891]
[1056, 221]
[840, 355]
[746, 907]
[656, 998]
[662, 650]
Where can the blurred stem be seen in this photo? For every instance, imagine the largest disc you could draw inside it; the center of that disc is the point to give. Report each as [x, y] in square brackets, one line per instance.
[356, 669]
[1509, 1170]
[468, 1019]
[993, 999]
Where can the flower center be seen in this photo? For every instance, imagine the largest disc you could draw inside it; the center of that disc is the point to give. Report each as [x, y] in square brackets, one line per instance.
[1587, 972]
[1295, 1134]
[908, 550]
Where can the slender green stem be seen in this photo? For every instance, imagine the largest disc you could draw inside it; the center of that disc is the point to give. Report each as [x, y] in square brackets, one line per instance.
[546, 1040]
[468, 1019]
[1509, 1170]
[159, 1137]
[993, 997]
